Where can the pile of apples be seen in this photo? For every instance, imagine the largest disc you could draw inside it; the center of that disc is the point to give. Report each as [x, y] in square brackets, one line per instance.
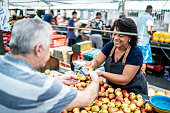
[112, 101]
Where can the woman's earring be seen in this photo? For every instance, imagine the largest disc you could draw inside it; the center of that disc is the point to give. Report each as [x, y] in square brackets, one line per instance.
[129, 40]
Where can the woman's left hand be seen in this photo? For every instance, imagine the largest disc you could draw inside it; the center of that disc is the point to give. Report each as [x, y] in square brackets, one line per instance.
[99, 72]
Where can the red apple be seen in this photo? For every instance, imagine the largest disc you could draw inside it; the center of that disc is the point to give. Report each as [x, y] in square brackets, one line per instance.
[86, 108]
[110, 86]
[106, 94]
[102, 89]
[137, 111]
[113, 100]
[123, 106]
[95, 108]
[118, 94]
[101, 83]
[140, 103]
[124, 91]
[133, 101]
[80, 88]
[64, 111]
[106, 86]
[103, 111]
[111, 96]
[101, 94]
[83, 111]
[118, 98]
[104, 106]
[100, 98]
[105, 100]
[138, 97]
[125, 95]
[148, 108]
[132, 107]
[110, 90]
[124, 102]
[98, 103]
[117, 90]
[111, 109]
[127, 110]
[132, 96]
[111, 104]
[76, 109]
[143, 111]
[118, 104]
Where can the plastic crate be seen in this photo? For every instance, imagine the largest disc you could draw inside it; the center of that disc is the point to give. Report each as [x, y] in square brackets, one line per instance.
[91, 54]
[58, 41]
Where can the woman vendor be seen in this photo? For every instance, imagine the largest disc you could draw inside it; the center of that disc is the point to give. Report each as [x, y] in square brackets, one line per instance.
[123, 59]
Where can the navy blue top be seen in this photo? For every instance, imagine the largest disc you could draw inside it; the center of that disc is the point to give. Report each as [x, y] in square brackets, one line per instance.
[70, 32]
[134, 57]
[48, 18]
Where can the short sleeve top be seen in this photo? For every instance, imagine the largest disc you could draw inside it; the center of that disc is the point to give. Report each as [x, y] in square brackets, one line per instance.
[134, 57]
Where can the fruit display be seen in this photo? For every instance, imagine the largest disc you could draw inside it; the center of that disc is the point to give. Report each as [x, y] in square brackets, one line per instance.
[161, 37]
[111, 100]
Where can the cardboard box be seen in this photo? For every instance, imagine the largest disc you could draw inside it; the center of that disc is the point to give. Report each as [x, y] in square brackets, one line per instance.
[82, 46]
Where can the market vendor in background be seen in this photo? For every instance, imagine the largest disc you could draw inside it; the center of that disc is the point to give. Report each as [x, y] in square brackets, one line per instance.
[123, 59]
[144, 26]
[71, 38]
[49, 17]
[23, 88]
[96, 36]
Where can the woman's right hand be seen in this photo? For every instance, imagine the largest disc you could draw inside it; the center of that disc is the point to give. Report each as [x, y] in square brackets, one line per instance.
[90, 64]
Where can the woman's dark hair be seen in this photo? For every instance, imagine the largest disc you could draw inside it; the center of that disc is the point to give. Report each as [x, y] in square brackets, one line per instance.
[126, 25]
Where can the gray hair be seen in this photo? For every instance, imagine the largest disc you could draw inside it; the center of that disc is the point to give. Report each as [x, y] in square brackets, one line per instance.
[27, 34]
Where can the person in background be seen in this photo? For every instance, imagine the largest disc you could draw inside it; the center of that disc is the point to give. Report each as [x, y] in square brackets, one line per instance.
[144, 26]
[58, 18]
[123, 59]
[49, 17]
[70, 31]
[96, 36]
[23, 89]
[77, 25]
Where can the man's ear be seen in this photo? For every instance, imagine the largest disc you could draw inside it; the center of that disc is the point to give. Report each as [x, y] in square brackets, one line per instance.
[38, 49]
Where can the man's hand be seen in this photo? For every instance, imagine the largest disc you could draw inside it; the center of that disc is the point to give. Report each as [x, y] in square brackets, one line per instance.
[94, 76]
[68, 79]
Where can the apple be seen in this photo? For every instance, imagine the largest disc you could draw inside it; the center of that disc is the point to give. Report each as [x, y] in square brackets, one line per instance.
[80, 88]
[88, 82]
[105, 100]
[124, 102]
[110, 86]
[117, 90]
[143, 111]
[110, 109]
[123, 106]
[125, 95]
[111, 96]
[127, 110]
[83, 84]
[103, 111]
[118, 93]
[124, 91]
[113, 100]
[90, 112]
[133, 101]
[72, 85]
[76, 109]
[118, 104]
[104, 106]
[111, 104]
[83, 111]
[138, 97]
[64, 111]
[101, 83]
[132, 96]
[102, 89]
[86, 108]
[137, 111]
[100, 98]
[118, 98]
[71, 109]
[106, 94]
[95, 108]
[106, 86]
[119, 112]
[148, 108]
[140, 103]
[47, 72]
[98, 103]
[101, 94]
[110, 90]
[132, 107]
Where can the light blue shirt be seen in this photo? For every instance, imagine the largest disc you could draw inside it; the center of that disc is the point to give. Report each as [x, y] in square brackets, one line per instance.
[25, 90]
[143, 21]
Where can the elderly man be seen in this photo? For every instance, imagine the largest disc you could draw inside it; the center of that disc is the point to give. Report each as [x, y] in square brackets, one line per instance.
[25, 90]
